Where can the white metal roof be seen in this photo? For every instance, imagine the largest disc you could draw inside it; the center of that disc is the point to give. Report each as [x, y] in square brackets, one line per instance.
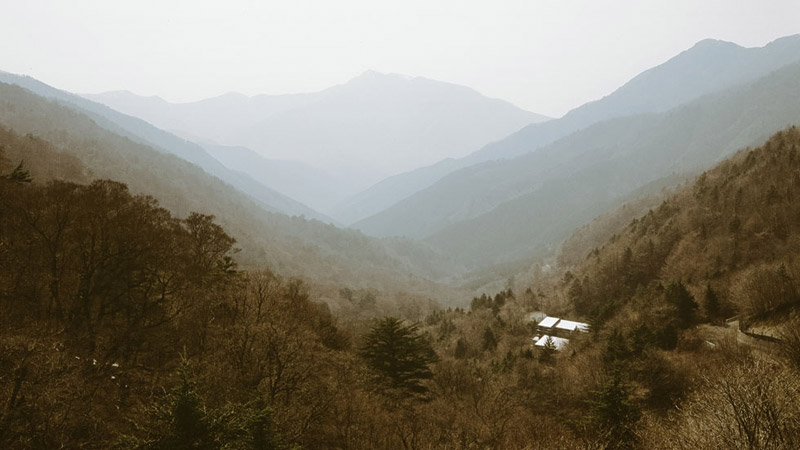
[572, 326]
[557, 341]
[548, 322]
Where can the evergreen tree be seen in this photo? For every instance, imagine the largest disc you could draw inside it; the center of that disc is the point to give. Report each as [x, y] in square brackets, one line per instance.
[399, 356]
[712, 302]
[181, 422]
[677, 295]
[489, 339]
[461, 349]
[190, 428]
[614, 414]
[548, 351]
[616, 349]
[259, 428]
[19, 175]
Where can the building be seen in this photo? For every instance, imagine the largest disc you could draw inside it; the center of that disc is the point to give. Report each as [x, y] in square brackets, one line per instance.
[558, 342]
[569, 326]
[554, 326]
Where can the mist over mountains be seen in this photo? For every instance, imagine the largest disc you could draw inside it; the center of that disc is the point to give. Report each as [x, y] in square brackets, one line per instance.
[110, 145]
[510, 199]
[479, 208]
[351, 135]
[709, 66]
[397, 262]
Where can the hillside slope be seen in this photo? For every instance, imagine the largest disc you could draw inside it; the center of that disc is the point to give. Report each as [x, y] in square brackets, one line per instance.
[374, 126]
[142, 132]
[553, 191]
[736, 228]
[290, 245]
[710, 66]
[297, 180]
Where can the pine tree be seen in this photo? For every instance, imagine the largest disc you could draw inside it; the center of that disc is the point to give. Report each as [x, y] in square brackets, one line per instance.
[399, 356]
[489, 339]
[548, 351]
[712, 302]
[190, 428]
[260, 429]
[614, 414]
[19, 175]
[180, 423]
[461, 349]
[677, 295]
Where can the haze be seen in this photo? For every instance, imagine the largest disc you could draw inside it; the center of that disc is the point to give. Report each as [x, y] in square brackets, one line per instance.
[412, 225]
[534, 54]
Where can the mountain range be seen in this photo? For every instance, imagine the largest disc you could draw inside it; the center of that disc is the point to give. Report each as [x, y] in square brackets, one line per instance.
[513, 199]
[145, 133]
[550, 192]
[709, 66]
[353, 134]
[109, 145]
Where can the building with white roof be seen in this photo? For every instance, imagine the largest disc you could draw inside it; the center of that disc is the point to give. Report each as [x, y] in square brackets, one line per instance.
[558, 342]
[570, 326]
[548, 322]
[555, 326]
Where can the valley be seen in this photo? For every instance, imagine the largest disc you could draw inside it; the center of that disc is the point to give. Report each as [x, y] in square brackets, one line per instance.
[398, 262]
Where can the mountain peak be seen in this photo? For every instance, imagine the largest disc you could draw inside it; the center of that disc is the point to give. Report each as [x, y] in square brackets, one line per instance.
[708, 42]
[370, 73]
[713, 44]
[369, 76]
[785, 40]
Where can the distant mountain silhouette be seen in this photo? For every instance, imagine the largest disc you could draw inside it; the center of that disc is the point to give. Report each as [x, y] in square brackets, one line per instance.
[145, 133]
[534, 201]
[297, 180]
[374, 126]
[709, 66]
[86, 148]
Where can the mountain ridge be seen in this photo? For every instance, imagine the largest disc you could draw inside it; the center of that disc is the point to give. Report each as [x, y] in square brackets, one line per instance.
[294, 246]
[139, 130]
[615, 157]
[361, 131]
[536, 136]
[733, 65]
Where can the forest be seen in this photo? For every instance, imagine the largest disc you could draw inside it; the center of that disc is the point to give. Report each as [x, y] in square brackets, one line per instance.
[126, 325]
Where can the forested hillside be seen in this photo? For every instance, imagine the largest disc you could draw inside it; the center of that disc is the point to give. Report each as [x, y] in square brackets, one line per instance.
[329, 257]
[734, 231]
[124, 326]
[708, 67]
[356, 133]
[532, 202]
[142, 132]
[292, 245]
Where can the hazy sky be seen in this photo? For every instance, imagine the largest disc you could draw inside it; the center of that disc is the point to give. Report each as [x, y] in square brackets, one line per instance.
[546, 56]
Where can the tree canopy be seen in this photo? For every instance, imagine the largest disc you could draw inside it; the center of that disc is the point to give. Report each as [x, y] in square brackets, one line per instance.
[399, 355]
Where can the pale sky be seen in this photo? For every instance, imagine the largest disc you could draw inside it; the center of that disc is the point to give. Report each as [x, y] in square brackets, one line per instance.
[546, 56]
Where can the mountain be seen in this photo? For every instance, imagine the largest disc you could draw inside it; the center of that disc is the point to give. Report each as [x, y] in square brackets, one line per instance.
[506, 209]
[141, 131]
[297, 180]
[577, 178]
[709, 66]
[213, 119]
[733, 229]
[374, 126]
[293, 246]
[391, 190]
